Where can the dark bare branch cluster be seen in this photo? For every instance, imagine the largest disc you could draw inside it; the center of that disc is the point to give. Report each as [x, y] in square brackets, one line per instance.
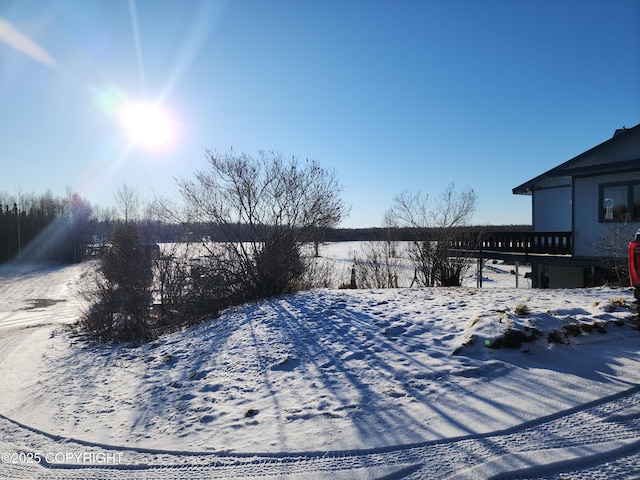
[437, 228]
[121, 294]
[262, 209]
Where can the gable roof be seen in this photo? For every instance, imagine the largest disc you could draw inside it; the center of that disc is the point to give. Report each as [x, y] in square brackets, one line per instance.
[572, 168]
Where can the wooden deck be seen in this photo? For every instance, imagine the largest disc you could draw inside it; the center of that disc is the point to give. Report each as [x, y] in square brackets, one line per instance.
[516, 247]
[517, 244]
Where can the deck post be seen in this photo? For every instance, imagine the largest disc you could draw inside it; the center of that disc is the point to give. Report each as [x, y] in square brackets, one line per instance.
[517, 274]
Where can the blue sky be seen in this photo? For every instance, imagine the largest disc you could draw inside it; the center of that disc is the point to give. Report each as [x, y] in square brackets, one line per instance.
[393, 95]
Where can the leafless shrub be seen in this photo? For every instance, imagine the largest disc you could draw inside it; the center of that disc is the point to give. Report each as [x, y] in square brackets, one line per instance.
[522, 310]
[261, 210]
[613, 247]
[377, 264]
[438, 228]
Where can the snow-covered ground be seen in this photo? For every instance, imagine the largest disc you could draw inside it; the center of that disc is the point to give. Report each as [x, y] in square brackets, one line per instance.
[327, 384]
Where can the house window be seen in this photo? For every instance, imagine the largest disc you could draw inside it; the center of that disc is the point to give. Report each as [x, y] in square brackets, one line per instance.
[620, 202]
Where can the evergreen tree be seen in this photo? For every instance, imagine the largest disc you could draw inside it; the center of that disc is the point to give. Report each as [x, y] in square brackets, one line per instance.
[123, 290]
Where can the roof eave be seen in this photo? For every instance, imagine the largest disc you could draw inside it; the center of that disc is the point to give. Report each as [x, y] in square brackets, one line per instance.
[527, 187]
[524, 189]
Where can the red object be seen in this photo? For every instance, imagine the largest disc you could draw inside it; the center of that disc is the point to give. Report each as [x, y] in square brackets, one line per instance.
[634, 263]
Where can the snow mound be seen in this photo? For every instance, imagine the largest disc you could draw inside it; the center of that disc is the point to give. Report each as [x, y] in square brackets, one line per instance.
[332, 369]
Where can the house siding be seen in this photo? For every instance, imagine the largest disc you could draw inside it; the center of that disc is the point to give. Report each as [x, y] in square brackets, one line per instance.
[552, 208]
[588, 231]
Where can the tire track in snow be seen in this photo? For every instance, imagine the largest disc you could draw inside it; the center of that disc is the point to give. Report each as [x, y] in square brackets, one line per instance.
[9, 342]
[600, 438]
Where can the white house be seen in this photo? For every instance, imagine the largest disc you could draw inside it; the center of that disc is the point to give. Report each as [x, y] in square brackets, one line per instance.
[596, 197]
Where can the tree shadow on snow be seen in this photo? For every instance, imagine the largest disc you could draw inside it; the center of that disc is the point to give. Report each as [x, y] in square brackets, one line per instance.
[389, 396]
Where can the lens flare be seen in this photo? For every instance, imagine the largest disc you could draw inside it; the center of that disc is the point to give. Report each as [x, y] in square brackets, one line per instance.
[22, 43]
[109, 99]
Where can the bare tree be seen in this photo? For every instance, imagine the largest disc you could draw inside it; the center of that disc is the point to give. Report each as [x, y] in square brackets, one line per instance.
[438, 226]
[173, 280]
[128, 202]
[79, 213]
[262, 209]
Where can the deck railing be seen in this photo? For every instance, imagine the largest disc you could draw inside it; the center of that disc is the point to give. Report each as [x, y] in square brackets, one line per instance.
[551, 243]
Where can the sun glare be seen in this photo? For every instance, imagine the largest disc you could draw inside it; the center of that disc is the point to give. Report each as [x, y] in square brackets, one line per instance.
[147, 125]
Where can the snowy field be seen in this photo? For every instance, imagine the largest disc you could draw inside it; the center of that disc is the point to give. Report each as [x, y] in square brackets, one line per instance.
[328, 384]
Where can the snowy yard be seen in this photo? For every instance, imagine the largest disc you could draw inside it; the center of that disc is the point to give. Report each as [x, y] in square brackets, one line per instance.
[327, 384]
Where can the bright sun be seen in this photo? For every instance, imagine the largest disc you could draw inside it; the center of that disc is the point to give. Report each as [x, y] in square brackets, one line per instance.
[147, 125]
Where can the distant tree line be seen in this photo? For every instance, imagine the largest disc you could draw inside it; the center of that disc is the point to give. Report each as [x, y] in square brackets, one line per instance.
[330, 235]
[407, 234]
[44, 228]
[48, 228]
